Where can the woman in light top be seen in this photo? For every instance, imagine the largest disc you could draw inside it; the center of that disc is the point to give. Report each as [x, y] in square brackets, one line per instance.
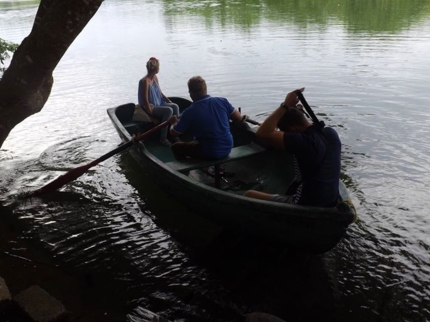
[157, 105]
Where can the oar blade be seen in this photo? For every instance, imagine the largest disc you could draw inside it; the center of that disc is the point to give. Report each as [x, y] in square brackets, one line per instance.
[62, 180]
[77, 172]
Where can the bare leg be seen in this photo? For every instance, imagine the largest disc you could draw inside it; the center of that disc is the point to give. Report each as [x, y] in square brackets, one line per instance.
[257, 195]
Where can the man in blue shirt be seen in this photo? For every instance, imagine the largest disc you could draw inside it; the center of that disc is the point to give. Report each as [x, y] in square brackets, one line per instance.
[207, 119]
[316, 151]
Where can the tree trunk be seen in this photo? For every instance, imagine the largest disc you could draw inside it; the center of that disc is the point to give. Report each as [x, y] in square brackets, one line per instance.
[26, 84]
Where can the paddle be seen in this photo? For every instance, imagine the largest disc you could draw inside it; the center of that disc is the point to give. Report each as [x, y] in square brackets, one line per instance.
[252, 122]
[247, 119]
[77, 172]
[305, 104]
[308, 109]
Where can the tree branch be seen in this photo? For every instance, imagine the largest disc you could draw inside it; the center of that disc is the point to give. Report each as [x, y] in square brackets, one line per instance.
[26, 84]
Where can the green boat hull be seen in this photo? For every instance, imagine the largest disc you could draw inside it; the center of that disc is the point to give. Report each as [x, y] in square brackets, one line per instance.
[221, 200]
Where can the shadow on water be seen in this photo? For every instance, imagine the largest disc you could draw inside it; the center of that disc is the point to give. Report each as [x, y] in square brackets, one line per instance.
[134, 240]
[116, 230]
[153, 253]
[242, 273]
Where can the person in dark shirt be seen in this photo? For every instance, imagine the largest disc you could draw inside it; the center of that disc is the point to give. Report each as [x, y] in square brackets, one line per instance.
[316, 154]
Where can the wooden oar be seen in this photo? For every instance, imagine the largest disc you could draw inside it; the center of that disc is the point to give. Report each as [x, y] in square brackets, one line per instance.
[247, 119]
[77, 172]
[308, 109]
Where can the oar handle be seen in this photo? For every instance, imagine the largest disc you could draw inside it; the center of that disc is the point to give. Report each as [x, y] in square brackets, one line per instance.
[247, 119]
[253, 122]
[130, 143]
[308, 108]
[149, 132]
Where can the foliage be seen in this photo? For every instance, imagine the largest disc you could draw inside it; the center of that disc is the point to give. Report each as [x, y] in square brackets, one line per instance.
[357, 16]
[6, 48]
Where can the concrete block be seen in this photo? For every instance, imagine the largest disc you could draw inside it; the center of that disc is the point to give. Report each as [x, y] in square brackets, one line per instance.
[4, 292]
[39, 305]
[148, 316]
[262, 317]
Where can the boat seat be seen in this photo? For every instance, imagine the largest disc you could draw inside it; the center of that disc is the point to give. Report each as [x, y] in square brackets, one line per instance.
[236, 153]
[136, 127]
[125, 116]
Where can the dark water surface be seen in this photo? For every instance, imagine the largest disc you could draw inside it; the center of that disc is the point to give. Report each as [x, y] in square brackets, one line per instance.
[365, 65]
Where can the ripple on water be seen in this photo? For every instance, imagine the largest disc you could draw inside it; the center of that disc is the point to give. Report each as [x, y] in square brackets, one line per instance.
[368, 79]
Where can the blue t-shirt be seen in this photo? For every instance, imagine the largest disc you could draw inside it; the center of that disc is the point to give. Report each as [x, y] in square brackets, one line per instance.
[207, 119]
[317, 165]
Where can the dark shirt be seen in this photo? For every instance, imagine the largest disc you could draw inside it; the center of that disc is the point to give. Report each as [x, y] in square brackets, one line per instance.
[317, 165]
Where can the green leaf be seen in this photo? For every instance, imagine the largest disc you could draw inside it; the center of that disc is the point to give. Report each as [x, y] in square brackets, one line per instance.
[6, 49]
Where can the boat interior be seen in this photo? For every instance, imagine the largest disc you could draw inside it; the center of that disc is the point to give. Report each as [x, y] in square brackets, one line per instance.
[249, 165]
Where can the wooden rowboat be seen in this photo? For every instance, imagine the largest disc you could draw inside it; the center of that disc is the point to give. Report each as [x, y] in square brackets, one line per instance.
[219, 197]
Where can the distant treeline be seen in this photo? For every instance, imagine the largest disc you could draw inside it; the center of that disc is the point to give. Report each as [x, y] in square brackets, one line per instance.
[368, 16]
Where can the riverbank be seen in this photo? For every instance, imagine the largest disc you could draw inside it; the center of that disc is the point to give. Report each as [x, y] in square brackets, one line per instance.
[83, 298]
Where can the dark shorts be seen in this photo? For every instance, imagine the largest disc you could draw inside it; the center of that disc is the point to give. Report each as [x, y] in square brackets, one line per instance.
[285, 199]
[190, 149]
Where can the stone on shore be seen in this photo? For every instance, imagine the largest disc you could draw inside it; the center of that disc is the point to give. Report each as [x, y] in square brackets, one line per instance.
[148, 316]
[39, 305]
[262, 317]
[4, 293]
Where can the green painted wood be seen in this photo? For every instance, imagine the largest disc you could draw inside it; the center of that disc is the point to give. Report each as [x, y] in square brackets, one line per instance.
[236, 153]
[310, 229]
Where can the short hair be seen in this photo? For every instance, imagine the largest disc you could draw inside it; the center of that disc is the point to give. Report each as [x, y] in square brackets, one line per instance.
[293, 116]
[197, 85]
[152, 64]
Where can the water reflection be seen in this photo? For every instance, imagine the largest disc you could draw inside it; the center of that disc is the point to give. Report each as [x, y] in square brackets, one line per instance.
[365, 16]
[18, 4]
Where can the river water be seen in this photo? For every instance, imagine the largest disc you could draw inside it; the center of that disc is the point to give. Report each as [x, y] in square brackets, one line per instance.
[365, 65]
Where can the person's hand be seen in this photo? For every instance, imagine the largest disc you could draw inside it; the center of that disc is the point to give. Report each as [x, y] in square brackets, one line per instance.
[154, 120]
[292, 99]
[173, 120]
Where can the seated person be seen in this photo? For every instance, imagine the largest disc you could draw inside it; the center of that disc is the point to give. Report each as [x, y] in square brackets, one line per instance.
[207, 119]
[157, 105]
[316, 153]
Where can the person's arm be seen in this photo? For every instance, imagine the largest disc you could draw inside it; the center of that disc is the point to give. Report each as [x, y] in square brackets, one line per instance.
[173, 120]
[236, 116]
[165, 98]
[173, 133]
[268, 132]
[181, 126]
[145, 90]
[147, 106]
[233, 114]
